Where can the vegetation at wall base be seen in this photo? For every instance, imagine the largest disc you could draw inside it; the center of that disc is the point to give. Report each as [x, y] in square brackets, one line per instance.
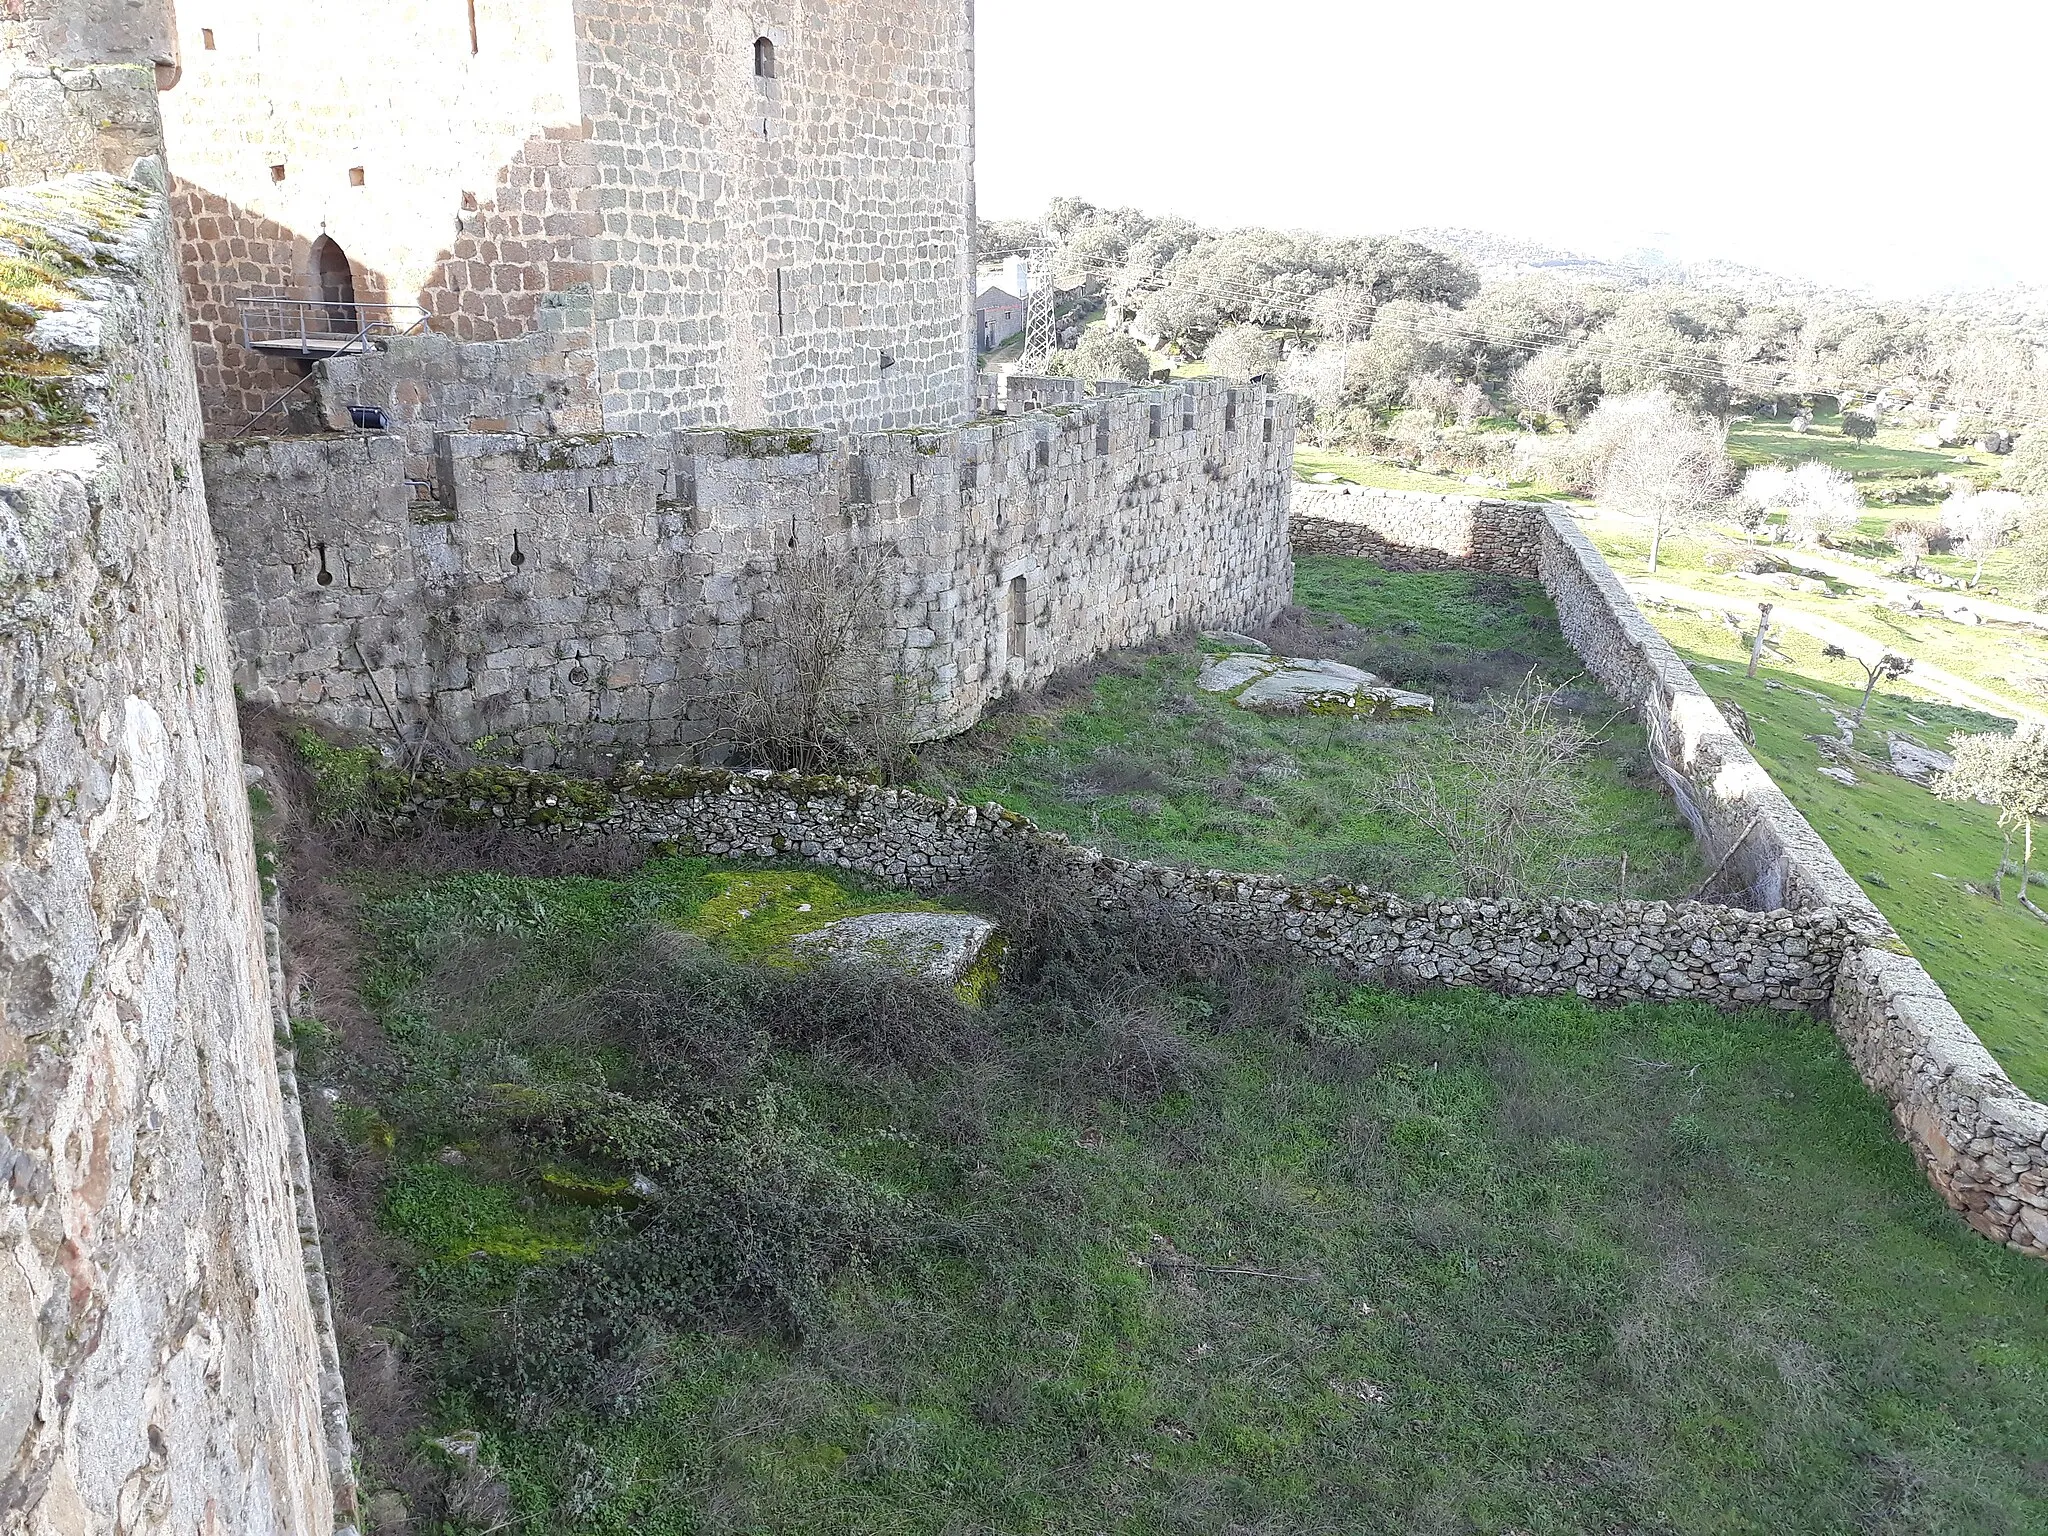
[1152, 1244]
[1139, 761]
[1927, 863]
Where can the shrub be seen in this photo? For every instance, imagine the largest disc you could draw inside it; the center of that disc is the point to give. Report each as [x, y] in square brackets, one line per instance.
[747, 1219]
[341, 777]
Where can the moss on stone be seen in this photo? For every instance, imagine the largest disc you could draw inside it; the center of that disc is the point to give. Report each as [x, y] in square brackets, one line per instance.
[769, 442]
[51, 237]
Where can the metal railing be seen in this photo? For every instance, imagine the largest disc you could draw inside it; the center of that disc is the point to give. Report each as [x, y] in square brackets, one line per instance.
[320, 327]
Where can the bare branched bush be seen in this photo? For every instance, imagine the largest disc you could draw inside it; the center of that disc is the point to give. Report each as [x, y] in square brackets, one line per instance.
[820, 687]
[1503, 796]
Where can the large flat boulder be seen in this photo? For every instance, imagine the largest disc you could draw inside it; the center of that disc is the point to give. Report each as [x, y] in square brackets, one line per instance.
[1303, 685]
[1912, 761]
[932, 946]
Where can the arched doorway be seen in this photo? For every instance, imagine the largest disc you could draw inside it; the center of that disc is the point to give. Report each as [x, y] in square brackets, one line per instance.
[335, 281]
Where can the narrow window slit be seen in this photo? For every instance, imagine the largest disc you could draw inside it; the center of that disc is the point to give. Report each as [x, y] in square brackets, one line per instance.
[1019, 622]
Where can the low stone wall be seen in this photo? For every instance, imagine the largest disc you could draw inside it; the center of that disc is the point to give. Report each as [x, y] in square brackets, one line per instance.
[159, 1364]
[1619, 952]
[1982, 1142]
[1762, 851]
[1417, 531]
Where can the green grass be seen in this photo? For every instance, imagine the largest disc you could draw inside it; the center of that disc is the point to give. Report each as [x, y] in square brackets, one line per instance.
[1890, 455]
[1524, 1266]
[1381, 475]
[1147, 765]
[2009, 659]
[1991, 959]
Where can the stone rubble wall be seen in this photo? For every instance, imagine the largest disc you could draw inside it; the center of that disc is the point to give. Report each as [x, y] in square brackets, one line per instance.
[1616, 952]
[578, 600]
[1415, 530]
[158, 1353]
[1982, 1142]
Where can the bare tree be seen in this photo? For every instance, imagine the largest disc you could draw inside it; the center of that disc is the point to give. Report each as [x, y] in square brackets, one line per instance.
[1505, 794]
[1887, 665]
[1658, 461]
[2010, 772]
[819, 687]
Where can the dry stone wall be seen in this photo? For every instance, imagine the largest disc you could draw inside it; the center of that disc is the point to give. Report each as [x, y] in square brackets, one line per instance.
[1416, 531]
[1983, 1143]
[578, 599]
[158, 1352]
[1619, 952]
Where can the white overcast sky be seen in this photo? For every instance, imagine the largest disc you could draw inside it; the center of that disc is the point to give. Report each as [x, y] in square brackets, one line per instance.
[1882, 144]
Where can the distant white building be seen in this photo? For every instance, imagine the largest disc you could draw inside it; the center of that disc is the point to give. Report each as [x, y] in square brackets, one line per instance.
[1001, 297]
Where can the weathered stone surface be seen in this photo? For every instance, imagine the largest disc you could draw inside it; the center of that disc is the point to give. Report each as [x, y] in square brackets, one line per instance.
[582, 599]
[1296, 685]
[1912, 761]
[934, 946]
[1226, 674]
[159, 1365]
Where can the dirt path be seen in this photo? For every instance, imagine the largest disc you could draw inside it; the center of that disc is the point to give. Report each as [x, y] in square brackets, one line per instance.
[1936, 598]
[1938, 680]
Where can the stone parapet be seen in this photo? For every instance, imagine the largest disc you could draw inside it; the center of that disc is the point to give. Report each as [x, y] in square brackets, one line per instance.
[581, 598]
[158, 1357]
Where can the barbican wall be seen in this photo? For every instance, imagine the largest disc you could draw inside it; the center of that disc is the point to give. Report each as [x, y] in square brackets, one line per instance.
[160, 1357]
[712, 245]
[1982, 1142]
[579, 600]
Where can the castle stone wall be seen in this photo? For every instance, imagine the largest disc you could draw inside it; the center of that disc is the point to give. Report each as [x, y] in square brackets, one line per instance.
[1416, 531]
[580, 599]
[159, 1364]
[742, 249]
[1982, 1142]
[788, 250]
[474, 195]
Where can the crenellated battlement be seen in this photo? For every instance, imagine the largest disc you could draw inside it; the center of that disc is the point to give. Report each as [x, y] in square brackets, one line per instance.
[579, 596]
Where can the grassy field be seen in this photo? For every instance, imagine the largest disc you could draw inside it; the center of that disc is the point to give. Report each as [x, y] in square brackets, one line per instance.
[2009, 659]
[1916, 856]
[1378, 473]
[1143, 763]
[1230, 1254]
[1888, 456]
[1890, 471]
